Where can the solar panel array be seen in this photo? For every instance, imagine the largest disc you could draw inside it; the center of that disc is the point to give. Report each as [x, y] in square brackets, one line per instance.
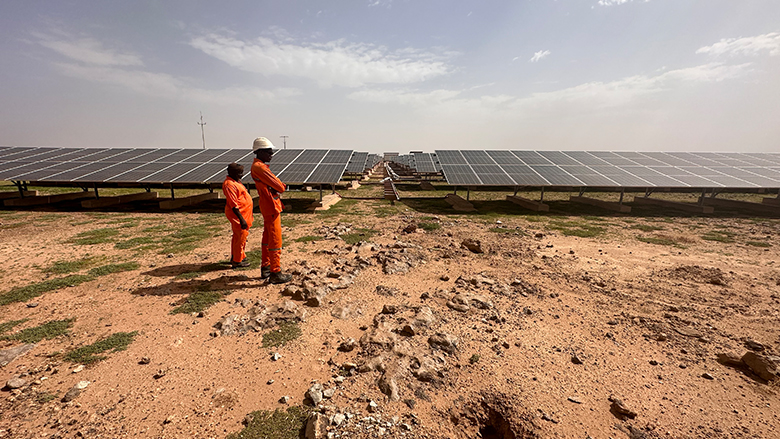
[425, 163]
[610, 169]
[162, 166]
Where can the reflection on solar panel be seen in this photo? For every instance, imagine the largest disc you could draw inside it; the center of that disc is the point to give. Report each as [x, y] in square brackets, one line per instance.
[162, 166]
[611, 169]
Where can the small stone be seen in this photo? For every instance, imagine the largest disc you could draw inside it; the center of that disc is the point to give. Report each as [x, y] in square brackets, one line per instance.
[15, 383]
[731, 359]
[160, 373]
[473, 245]
[574, 399]
[761, 365]
[78, 368]
[169, 255]
[337, 419]
[284, 400]
[527, 311]
[32, 304]
[328, 393]
[575, 359]
[444, 277]
[389, 309]
[653, 363]
[315, 393]
[373, 406]
[270, 382]
[145, 360]
[316, 426]
[661, 337]
[754, 345]
[348, 345]
[169, 419]
[707, 376]
[276, 356]
[75, 391]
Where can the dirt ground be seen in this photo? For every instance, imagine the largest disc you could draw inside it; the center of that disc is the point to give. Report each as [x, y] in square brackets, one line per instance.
[560, 315]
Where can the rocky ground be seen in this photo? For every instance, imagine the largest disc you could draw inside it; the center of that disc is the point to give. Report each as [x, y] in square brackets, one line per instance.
[396, 324]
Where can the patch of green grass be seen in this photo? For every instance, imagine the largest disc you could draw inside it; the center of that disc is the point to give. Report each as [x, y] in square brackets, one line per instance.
[385, 211]
[343, 207]
[114, 343]
[275, 424]
[758, 244]
[48, 330]
[44, 397]
[646, 227]
[719, 236]
[114, 268]
[49, 217]
[657, 241]
[198, 301]
[474, 359]
[92, 237]
[157, 228]
[65, 267]
[189, 275]
[285, 333]
[309, 238]
[7, 326]
[593, 218]
[576, 228]
[429, 227]
[25, 293]
[358, 235]
[138, 241]
[534, 219]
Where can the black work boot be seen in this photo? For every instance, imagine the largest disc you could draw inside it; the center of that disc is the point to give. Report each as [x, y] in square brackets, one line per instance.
[279, 278]
[239, 264]
[265, 272]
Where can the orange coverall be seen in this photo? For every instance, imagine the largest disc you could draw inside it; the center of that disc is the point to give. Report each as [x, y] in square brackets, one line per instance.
[237, 196]
[271, 208]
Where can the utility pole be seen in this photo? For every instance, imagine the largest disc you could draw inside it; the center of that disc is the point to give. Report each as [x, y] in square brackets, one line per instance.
[202, 131]
[284, 140]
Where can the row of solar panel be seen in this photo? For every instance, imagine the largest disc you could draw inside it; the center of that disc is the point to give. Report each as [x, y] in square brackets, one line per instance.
[154, 166]
[610, 169]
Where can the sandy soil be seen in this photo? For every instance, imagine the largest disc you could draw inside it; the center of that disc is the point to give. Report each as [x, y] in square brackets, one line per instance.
[645, 322]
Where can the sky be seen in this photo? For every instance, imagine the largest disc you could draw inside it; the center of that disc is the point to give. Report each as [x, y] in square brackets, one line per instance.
[393, 75]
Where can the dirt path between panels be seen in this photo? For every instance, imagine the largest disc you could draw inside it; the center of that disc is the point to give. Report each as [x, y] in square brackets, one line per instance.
[398, 323]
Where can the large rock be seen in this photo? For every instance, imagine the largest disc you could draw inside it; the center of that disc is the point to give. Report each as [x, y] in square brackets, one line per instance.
[15, 383]
[315, 393]
[458, 303]
[9, 355]
[761, 365]
[389, 386]
[316, 426]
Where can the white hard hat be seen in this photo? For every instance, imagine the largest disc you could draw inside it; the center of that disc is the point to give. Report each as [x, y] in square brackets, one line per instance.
[262, 143]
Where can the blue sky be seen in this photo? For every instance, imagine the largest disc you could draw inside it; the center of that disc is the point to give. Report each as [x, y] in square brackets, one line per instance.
[393, 75]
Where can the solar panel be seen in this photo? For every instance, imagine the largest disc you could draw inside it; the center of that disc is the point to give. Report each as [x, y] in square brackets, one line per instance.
[337, 156]
[460, 174]
[504, 158]
[556, 176]
[424, 163]
[297, 172]
[450, 157]
[326, 173]
[531, 158]
[585, 158]
[558, 158]
[477, 157]
[311, 156]
[357, 163]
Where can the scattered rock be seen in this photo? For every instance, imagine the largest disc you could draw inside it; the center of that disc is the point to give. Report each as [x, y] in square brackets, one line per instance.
[731, 359]
[144, 360]
[707, 376]
[576, 359]
[75, 391]
[444, 277]
[285, 399]
[386, 291]
[32, 304]
[688, 332]
[328, 393]
[390, 309]
[315, 393]
[458, 303]
[473, 245]
[337, 419]
[78, 368]
[160, 373]
[373, 406]
[620, 410]
[389, 386]
[574, 399]
[348, 345]
[276, 356]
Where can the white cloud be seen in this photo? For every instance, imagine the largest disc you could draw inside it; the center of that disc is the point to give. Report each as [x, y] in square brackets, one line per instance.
[539, 55]
[617, 2]
[384, 3]
[333, 63]
[89, 60]
[584, 97]
[168, 86]
[87, 50]
[745, 46]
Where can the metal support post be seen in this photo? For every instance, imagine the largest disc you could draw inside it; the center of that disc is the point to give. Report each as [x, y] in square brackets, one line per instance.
[320, 192]
[148, 189]
[622, 192]
[516, 190]
[173, 196]
[468, 193]
[333, 187]
[97, 195]
[456, 192]
[582, 191]
[703, 194]
[19, 186]
[541, 197]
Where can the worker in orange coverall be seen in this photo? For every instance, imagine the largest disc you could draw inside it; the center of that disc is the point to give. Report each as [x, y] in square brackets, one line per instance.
[238, 210]
[269, 188]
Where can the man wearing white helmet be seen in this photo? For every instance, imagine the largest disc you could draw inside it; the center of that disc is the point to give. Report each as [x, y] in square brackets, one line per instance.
[269, 188]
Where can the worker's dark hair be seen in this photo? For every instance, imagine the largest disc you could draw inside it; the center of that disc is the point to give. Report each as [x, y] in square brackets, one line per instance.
[235, 167]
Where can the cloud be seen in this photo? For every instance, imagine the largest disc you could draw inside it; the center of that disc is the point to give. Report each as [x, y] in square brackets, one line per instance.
[745, 46]
[383, 3]
[89, 60]
[87, 50]
[617, 2]
[335, 63]
[539, 55]
[583, 97]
